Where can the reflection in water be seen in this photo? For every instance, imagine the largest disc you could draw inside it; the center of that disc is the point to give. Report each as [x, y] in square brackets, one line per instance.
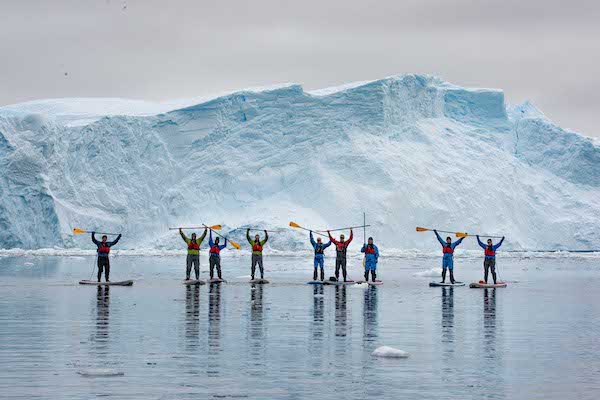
[341, 323]
[214, 329]
[192, 316]
[318, 303]
[256, 335]
[492, 357]
[102, 316]
[448, 322]
[370, 314]
[489, 319]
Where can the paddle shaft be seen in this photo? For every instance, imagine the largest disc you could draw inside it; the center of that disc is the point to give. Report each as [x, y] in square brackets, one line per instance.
[343, 229]
[317, 232]
[103, 233]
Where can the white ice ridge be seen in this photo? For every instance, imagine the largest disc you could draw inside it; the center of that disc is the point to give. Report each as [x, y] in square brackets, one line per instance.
[409, 150]
[389, 352]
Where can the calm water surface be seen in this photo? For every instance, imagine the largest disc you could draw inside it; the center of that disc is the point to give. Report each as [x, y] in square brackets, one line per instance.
[538, 338]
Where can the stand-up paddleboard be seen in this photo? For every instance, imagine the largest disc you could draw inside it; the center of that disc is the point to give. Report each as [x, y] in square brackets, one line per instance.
[259, 281]
[348, 282]
[96, 283]
[483, 285]
[217, 280]
[194, 282]
[377, 282]
[315, 283]
[456, 283]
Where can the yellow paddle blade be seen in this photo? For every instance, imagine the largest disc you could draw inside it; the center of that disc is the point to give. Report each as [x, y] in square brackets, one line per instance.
[215, 227]
[294, 225]
[461, 234]
[234, 244]
[77, 231]
[419, 229]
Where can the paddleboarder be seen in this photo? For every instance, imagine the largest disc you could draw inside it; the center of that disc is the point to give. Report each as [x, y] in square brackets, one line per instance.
[340, 259]
[193, 253]
[215, 255]
[448, 259]
[371, 256]
[257, 248]
[489, 261]
[319, 261]
[103, 251]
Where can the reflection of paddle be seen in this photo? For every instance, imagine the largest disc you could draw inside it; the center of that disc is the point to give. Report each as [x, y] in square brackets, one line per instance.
[295, 225]
[77, 231]
[234, 244]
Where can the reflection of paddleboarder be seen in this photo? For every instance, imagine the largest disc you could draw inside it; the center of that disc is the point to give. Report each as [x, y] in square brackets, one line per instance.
[103, 251]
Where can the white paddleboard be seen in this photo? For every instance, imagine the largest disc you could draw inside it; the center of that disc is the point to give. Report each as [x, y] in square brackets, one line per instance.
[96, 283]
[435, 284]
[478, 285]
[194, 282]
[259, 281]
[377, 282]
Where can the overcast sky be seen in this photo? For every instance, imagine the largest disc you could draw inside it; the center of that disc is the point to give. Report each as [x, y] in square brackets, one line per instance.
[546, 51]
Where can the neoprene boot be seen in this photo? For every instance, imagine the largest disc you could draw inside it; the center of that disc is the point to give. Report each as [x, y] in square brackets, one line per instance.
[315, 275]
[444, 275]
[452, 277]
[366, 276]
[322, 274]
[373, 275]
[493, 276]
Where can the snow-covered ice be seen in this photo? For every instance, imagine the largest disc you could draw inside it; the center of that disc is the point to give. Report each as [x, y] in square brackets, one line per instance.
[409, 151]
[389, 352]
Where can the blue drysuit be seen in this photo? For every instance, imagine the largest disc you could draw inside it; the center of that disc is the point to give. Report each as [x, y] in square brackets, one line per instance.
[448, 260]
[494, 247]
[371, 257]
[319, 250]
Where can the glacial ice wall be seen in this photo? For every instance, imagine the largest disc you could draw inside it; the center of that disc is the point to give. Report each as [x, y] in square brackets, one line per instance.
[408, 150]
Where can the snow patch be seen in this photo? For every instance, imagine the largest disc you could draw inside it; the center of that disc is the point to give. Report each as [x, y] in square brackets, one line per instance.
[389, 352]
[100, 372]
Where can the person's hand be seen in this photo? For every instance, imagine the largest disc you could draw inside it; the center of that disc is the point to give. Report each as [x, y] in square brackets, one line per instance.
[248, 230]
[311, 231]
[329, 232]
[435, 230]
[477, 236]
[265, 231]
[502, 237]
[180, 230]
[118, 237]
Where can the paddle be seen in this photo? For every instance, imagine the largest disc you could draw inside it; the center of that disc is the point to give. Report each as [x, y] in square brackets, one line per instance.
[295, 225]
[214, 227]
[234, 244]
[77, 231]
[343, 229]
[419, 229]
[461, 234]
[259, 230]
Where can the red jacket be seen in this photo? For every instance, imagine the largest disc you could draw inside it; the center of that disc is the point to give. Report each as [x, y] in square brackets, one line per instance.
[340, 247]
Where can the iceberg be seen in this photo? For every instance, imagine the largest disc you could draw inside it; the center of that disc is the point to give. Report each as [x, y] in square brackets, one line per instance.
[408, 150]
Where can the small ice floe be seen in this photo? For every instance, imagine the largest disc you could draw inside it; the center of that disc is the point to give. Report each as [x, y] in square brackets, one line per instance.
[389, 352]
[100, 372]
[319, 295]
[360, 285]
[429, 272]
[28, 264]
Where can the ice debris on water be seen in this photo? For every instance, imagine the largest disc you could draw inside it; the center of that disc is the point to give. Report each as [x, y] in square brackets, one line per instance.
[100, 372]
[389, 352]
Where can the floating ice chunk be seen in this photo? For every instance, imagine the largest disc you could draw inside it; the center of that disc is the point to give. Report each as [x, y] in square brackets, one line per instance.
[389, 352]
[28, 264]
[360, 285]
[319, 295]
[100, 372]
[429, 272]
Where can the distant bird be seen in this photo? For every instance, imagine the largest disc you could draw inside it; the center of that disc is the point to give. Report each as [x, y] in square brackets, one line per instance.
[66, 73]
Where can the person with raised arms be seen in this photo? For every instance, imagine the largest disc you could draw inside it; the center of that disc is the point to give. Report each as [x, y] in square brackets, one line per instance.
[371, 257]
[257, 248]
[489, 261]
[341, 247]
[215, 255]
[448, 259]
[103, 251]
[193, 253]
[319, 261]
